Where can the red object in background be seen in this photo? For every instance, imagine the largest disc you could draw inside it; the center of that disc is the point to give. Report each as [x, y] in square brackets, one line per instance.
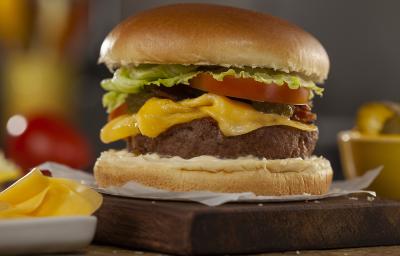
[49, 139]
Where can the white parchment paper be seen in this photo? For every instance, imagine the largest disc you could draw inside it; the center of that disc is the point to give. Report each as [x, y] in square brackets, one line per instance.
[136, 190]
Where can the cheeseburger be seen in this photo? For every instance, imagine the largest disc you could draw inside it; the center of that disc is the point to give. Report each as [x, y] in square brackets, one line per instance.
[213, 98]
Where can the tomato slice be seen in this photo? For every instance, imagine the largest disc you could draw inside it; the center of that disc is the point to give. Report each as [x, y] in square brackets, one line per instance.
[121, 110]
[247, 88]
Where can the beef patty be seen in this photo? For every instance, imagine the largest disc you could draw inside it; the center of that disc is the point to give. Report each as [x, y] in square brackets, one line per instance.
[203, 137]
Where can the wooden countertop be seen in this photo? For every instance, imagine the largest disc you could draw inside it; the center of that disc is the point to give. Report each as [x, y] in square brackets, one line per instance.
[96, 250]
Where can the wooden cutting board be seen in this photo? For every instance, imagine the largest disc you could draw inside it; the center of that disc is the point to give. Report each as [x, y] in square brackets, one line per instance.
[194, 229]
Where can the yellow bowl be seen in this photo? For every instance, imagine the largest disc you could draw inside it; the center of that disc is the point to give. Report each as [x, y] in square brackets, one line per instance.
[360, 153]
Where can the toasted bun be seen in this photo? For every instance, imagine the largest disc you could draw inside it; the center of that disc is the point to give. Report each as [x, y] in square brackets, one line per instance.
[204, 34]
[206, 173]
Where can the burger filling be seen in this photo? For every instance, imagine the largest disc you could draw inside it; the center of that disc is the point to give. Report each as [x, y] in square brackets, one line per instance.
[187, 111]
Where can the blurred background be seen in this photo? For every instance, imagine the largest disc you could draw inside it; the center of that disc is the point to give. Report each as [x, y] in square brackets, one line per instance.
[49, 77]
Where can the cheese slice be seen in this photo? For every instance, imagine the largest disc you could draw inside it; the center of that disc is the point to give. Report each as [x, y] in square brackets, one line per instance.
[119, 128]
[157, 115]
[36, 195]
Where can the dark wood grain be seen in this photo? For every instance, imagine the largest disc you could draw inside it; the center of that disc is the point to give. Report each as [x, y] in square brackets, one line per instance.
[194, 229]
[100, 250]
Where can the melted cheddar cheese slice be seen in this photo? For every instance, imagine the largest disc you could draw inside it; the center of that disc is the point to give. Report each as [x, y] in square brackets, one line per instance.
[36, 195]
[157, 115]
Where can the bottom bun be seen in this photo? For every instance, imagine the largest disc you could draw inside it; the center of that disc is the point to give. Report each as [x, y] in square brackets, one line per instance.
[290, 176]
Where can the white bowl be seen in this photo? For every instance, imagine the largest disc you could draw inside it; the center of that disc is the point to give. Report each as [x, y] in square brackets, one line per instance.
[46, 235]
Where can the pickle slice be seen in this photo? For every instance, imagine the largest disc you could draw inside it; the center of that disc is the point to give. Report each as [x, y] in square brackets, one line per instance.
[274, 108]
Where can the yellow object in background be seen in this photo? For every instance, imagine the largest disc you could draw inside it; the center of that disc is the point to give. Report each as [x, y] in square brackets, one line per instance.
[36, 195]
[38, 82]
[374, 142]
[372, 117]
[360, 153]
[8, 170]
[15, 22]
[43, 42]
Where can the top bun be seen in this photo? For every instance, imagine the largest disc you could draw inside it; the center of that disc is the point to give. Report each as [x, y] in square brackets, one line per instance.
[204, 34]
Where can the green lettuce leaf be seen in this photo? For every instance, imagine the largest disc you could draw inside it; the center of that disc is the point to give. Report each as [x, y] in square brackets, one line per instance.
[269, 76]
[112, 100]
[131, 80]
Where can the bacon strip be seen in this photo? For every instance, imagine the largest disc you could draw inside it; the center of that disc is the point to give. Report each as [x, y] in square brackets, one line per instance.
[302, 113]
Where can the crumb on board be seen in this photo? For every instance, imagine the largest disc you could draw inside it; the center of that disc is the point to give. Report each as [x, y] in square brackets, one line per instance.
[370, 198]
[260, 204]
